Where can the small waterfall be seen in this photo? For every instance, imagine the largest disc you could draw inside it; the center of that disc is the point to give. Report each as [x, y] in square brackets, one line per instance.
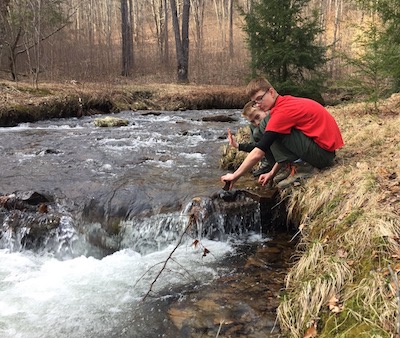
[213, 218]
[55, 232]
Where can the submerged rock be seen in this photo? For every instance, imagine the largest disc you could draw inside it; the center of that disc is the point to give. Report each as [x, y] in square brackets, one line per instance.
[26, 220]
[242, 303]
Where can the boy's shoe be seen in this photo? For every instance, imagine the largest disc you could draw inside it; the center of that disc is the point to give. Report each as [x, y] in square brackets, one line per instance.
[265, 167]
[298, 172]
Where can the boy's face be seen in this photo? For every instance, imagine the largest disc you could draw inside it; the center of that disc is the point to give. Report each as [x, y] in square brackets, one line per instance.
[264, 99]
[256, 116]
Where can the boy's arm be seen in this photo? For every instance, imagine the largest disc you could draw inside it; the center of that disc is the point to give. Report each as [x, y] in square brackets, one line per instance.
[266, 140]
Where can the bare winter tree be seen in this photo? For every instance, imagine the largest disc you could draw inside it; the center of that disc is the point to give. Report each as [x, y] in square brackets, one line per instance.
[35, 61]
[198, 7]
[27, 24]
[230, 10]
[160, 16]
[181, 39]
[336, 33]
[3, 20]
[127, 37]
[224, 15]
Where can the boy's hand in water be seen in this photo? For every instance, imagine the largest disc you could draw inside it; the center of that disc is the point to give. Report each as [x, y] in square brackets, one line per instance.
[227, 186]
[230, 179]
[232, 140]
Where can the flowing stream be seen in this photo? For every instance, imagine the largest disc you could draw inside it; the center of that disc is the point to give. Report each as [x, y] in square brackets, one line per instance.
[122, 196]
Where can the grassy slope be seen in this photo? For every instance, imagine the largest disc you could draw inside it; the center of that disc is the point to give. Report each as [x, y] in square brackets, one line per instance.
[349, 223]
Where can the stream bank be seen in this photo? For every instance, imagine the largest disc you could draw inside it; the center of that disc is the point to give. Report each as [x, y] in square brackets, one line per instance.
[21, 103]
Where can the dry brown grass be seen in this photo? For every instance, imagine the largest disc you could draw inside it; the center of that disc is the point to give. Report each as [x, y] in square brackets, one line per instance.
[232, 157]
[349, 217]
[126, 94]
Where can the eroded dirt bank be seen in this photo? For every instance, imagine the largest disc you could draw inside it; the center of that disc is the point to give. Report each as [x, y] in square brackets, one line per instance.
[20, 102]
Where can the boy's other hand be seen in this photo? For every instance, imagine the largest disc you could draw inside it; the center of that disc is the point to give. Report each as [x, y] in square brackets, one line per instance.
[232, 140]
[265, 178]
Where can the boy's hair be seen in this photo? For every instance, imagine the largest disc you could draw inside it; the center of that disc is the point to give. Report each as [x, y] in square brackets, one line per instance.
[259, 83]
[248, 108]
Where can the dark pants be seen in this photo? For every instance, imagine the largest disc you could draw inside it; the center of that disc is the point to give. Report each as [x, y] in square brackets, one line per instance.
[295, 145]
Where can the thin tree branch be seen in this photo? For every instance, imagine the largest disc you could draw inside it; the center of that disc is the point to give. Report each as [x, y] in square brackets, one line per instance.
[166, 262]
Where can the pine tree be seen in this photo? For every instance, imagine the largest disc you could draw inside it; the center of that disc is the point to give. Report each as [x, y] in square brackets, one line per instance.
[377, 66]
[390, 14]
[282, 44]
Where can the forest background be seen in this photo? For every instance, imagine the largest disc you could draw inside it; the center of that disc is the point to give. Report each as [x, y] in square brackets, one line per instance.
[87, 40]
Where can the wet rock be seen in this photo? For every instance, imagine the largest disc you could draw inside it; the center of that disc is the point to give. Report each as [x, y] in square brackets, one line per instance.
[223, 213]
[48, 151]
[31, 197]
[110, 121]
[218, 118]
[26, 220]
[153, 113]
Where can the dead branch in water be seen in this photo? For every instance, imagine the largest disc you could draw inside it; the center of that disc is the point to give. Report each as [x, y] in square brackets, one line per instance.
[166, 262]
[191, 222]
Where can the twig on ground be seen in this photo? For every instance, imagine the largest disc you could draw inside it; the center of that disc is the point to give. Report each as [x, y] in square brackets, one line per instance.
[219, 329]
[396, 285]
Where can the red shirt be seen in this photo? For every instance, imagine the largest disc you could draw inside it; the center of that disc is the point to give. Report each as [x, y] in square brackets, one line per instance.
[307, 116]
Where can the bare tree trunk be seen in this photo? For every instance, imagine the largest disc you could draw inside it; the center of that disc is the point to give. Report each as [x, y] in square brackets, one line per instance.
[181, 41]
[160, 15]
[198, 18]
[109, 34]
[218, 14]
[3, 22]
[3, 15]
[139, 22]
[164, 39]
[127, 37]
[37, 40]
[231, 28]
[338, 9]
[12, 57]
[322, 19]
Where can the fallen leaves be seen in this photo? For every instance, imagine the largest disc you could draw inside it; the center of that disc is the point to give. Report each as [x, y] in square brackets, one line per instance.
[311, 332]
[334, 305]
[196, 243]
